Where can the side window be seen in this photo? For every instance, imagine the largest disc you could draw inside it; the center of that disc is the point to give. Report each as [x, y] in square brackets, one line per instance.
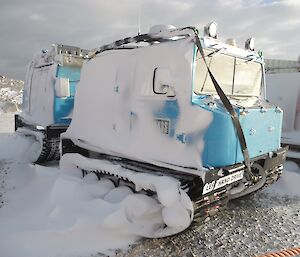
[200, 71]
[162, 82]
[158, 86]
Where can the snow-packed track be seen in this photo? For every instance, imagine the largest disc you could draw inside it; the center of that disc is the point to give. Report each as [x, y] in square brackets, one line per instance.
[249, 227]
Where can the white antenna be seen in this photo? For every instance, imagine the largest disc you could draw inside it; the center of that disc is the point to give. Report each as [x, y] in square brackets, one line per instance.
[139, 31]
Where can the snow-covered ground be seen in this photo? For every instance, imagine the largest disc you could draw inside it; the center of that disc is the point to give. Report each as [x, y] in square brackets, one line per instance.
[47, 212]
[10, 94]
[7, 122]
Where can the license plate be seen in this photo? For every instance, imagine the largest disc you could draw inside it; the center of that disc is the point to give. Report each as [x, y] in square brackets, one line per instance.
[223, 181]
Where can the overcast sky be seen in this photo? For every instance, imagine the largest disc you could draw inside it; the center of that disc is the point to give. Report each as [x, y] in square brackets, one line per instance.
[27, 26]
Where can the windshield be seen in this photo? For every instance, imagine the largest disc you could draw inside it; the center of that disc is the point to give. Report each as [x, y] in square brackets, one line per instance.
[236, 76]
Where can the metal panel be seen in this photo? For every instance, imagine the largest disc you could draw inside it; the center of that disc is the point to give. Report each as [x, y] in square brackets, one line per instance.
[220, 142]
[262, 129]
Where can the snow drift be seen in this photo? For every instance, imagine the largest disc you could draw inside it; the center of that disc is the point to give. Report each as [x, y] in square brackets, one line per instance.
[18, 147]
[53, 214]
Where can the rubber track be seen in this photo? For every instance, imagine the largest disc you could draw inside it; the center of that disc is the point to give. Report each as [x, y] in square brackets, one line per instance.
[50, 150]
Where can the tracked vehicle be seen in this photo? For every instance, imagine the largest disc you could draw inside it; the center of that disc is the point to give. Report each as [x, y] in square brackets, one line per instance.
[48, 97]
[177, 105]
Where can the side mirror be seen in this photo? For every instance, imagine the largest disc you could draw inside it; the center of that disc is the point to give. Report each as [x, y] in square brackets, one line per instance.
[62, 87]
[162, 81]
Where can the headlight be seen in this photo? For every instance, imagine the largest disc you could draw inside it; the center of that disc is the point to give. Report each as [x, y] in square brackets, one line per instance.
[249, 44]
[211, 29]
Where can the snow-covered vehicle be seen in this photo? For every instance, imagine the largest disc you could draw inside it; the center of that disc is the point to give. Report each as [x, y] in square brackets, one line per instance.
[283, 80]
[177, 115]
[48, 97]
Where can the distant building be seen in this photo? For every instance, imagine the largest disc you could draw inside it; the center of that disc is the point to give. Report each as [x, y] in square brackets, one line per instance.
[281, 66]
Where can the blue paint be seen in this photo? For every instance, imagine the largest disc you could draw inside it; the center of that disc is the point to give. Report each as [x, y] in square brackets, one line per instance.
[220, 139]
[63, 106]
[62, 109]
[169, 111]
[220, 142]
[267, 131]
[181, 138]
[222, 147]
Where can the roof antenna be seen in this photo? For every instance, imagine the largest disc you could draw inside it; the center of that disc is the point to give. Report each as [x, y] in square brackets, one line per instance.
[139, 31]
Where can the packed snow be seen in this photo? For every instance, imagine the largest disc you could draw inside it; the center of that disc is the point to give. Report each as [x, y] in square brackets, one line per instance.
[175, 210]
[52, 214]
[7, 123]
[18, 147]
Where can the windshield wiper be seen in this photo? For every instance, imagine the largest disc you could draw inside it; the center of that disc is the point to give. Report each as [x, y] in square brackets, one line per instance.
[251, 58]
[216, 51]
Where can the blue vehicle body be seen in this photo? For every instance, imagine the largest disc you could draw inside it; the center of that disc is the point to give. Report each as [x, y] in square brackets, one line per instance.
[261, 128]
[63, 106]
[48, 96]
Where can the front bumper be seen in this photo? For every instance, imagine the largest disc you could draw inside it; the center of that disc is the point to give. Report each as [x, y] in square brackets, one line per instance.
[220, 178]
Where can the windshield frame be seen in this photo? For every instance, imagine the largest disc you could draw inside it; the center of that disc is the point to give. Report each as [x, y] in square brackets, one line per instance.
[216, 52]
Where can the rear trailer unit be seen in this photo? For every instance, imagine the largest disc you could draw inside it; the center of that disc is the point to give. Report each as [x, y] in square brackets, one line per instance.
[174, 104]
[48, 97]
